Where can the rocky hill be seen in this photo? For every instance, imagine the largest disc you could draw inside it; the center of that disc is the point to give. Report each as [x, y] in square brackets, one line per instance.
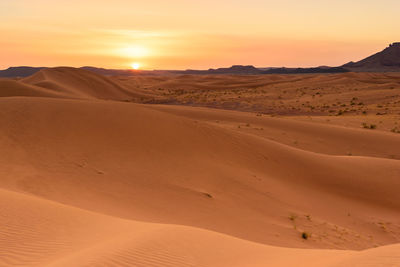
[386, 60]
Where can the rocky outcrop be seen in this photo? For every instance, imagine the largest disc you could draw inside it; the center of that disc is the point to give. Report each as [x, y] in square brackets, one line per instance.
[386, 60]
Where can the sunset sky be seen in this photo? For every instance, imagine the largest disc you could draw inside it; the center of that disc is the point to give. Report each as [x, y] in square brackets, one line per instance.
[181, 34]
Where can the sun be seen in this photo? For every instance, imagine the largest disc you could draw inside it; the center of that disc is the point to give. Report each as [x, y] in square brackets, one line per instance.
[135, 66]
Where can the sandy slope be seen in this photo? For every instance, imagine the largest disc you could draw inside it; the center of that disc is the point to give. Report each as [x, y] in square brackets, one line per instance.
[133, 154]
[303, 134]
[80, 83]
[39, 232]
[10, 87]
[93, 182]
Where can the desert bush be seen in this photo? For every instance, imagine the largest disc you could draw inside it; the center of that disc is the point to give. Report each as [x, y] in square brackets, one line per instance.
[370, 126]
[305, 235]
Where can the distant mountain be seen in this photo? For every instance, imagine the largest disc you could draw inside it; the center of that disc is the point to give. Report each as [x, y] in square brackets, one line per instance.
[305, 70]
[386, 60]
[19, 71]
[126, 72]
[235, 69]
[109, 71]
[239, 69]
[23, 72]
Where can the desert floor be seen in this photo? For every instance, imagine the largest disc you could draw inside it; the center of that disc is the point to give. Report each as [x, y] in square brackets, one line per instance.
[196, 170]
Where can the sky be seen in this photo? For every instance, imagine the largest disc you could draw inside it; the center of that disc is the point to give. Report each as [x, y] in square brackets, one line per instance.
[189, 34]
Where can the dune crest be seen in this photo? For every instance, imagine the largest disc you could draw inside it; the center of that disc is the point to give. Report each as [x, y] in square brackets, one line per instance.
[80, 83]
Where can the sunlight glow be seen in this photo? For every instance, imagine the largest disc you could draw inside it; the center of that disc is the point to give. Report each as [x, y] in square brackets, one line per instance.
[134, 51]
[135, 66]
[176, 35]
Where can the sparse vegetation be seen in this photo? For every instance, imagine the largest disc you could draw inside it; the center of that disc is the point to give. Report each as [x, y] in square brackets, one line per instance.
[368, 126]
[395, 130]
[305, 235]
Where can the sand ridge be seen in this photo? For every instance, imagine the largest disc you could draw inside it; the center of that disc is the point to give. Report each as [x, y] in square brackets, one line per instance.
[59, 235]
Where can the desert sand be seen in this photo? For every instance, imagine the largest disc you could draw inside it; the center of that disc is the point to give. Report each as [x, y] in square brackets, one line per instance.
[200, 170]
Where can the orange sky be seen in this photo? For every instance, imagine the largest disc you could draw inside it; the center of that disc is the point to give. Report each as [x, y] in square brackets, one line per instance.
[180, 34]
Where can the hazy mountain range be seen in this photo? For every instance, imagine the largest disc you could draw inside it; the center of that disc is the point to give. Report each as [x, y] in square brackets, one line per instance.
[388, 60]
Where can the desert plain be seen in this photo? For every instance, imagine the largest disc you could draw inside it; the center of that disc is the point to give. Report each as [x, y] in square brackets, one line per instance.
[199, 170]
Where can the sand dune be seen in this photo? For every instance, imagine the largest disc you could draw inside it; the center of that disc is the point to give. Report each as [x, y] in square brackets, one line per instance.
[10, 88]
[133, 154]
[43, 233]
[291, 95]
[88, 182]
[80, 83]
[306, 135]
